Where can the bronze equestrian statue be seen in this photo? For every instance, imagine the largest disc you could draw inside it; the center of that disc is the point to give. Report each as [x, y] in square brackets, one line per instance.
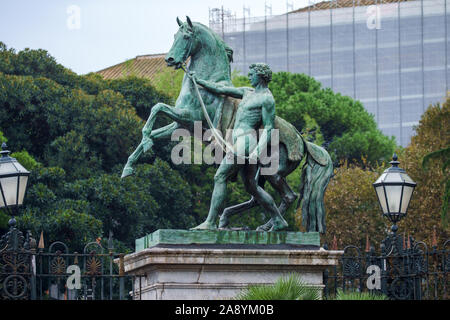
[216, 98]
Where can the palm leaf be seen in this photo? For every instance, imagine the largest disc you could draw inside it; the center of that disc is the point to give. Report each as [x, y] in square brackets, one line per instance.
[286, 288]
[353, 295]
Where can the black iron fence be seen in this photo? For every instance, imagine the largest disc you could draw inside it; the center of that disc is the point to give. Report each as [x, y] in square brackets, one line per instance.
[31, 273]
[402, 269]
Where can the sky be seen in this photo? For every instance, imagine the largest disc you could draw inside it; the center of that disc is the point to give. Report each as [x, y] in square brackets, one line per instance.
[90, 35]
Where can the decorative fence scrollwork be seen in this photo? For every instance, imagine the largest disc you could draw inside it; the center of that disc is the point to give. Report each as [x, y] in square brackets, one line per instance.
[31, 273]
[402, 270]
[16, 265]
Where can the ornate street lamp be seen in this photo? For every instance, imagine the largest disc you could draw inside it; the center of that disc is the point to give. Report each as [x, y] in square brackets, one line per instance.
[394, 189]
[19, 257]
[13, 183]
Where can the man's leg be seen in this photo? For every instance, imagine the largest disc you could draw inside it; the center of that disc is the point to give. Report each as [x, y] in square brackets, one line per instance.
[226, 169]
[263, 198]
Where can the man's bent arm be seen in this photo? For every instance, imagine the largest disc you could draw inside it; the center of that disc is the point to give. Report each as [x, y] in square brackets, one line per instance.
[268, 121]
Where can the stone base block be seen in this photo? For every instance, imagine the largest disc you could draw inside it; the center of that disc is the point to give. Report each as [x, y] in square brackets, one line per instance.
[235, 237]
[208, 272]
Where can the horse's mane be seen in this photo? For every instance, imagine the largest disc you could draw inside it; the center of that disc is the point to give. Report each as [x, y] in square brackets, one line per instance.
[219, 41]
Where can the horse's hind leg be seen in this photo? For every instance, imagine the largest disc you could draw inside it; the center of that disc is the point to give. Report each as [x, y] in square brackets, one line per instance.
[247, 205]
[279, 183]
[287, 195]
[230, 211]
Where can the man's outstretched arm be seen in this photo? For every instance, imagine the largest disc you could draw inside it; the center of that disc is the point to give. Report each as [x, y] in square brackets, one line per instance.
[221, 89]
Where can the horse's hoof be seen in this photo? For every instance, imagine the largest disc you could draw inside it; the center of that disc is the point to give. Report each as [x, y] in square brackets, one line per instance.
[127, 171]
[223, 222]
[278, 224]
[204, 226]
[265, 227]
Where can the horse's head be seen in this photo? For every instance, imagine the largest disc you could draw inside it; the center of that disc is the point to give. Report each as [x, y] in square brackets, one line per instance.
[183, 44]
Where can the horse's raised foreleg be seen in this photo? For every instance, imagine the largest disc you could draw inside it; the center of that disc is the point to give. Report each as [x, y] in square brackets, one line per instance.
[148, 139]
[176, 114]
[164, 132]
[128, 170]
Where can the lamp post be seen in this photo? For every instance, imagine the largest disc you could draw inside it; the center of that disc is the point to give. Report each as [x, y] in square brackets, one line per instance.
[13, 183]
[19, 282]
[394, 189]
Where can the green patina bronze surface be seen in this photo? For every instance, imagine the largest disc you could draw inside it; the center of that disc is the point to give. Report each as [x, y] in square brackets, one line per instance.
[238, 108]
[184, 237]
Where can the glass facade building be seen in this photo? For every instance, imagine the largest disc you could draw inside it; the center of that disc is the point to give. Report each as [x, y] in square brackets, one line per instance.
[391, 55]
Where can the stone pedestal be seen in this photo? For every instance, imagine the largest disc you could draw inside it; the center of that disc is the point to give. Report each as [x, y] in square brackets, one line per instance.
[204, 271]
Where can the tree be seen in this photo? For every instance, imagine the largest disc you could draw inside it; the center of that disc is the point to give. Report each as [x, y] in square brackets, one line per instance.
[2, 138]
[352, 207]
[140, 93]
[443, 154]
[169, 81]
[424, 213]
[132, 208]
[75, 133]
[60, 219]
[41, 116]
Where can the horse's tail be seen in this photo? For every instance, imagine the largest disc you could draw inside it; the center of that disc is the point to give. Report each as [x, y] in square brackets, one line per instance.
[315, 178]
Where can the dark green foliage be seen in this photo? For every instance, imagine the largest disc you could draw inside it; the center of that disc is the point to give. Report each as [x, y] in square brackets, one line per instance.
[61, 219]
[285, 288]
[73, 227]
[139, 92]
[134, 207]
[51, 121]
[36, 63]
[443, 154]
[25, 159]
[130, 208]
[75, 133]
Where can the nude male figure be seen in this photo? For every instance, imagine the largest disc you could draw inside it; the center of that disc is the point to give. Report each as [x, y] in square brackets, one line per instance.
[256, 108]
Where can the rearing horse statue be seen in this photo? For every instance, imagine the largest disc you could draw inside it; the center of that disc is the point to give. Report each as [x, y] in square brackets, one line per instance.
[210, 59]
